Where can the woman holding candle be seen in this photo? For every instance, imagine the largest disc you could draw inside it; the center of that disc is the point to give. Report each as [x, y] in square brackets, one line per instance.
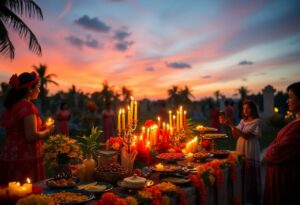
[247, 134]
[21, 156]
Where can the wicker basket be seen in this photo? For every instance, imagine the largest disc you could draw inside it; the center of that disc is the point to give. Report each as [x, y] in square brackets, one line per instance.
[111, 177]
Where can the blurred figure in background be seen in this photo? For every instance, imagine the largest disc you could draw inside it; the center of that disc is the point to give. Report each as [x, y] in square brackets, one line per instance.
[214, 116]
[229, 112]
[282, 158]
[63, 116]
[108, 116]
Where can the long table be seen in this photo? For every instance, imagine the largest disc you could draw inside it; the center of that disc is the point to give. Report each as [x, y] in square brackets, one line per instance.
[229, 192]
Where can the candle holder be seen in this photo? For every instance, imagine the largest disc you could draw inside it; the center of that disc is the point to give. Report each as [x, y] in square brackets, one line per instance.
[127, 135]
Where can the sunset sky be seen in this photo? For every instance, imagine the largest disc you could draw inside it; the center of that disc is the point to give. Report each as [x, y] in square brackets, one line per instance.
[151, 45]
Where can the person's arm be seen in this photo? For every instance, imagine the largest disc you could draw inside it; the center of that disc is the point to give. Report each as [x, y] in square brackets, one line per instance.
[237, 132]
[30, 127]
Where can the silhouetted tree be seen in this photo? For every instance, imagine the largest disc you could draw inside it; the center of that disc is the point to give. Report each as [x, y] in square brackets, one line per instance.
[9, 11]
[44, 80]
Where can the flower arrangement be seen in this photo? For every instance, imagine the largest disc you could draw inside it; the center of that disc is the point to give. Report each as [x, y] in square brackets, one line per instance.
[114, 143]
[155, 195]
[60, 149]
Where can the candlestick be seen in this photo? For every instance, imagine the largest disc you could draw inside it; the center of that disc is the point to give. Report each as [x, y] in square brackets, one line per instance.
[135, 112]
[170, 118]
[180, 117]
[123, 119]
[129, 117]
[119, 122]
[184, 119]
[158, 122]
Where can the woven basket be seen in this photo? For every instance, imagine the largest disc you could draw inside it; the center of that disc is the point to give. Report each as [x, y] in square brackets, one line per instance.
[111, 177]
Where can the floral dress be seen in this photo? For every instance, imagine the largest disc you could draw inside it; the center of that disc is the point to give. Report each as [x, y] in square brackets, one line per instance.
[251, 150]
[20, 158]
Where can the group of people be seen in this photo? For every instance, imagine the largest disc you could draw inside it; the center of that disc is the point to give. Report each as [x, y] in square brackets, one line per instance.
[21, 156]
[282, 156]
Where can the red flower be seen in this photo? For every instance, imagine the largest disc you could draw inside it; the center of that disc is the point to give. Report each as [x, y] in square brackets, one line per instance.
[14, 81]
[206, 144]
[149, 123]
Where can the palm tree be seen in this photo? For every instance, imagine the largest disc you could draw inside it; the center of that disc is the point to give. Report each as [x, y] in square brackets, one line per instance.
[185, 94]
[174, 96]
[126, 93]
[217, 94]
[243, 91]
[44, 80]
[9, 11]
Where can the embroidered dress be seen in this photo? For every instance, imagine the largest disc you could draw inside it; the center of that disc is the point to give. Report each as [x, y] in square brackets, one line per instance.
[282, 182]
[20, 158]
[251, 150]
[63, 117]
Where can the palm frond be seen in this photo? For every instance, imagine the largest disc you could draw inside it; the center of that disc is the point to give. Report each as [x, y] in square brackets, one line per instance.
[6, 46]
[26, 8]
[22, 29]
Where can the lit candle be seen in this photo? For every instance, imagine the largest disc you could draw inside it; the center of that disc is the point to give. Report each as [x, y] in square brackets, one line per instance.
[135, 112]
[180, 117]
[49, 122]
[12, 186]
[184, 119]
[28, 186]
[159, 167]
[170, 118]
[123, 119]
[129, 117]
[174, 124]
[119, 121]
[190, 157]
[177, 120]
[158, 122]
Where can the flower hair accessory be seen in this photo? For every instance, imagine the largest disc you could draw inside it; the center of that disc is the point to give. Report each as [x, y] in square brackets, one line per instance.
[247, 101]
[14, 81]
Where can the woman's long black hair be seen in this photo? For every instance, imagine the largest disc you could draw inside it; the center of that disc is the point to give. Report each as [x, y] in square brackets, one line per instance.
[14, 95]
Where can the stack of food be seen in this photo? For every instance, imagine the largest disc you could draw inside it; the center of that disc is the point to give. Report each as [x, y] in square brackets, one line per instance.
[111, 172]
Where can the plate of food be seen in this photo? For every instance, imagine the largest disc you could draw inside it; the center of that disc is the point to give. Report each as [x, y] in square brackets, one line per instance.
[177, 179]
[61, 183]
[202, 156]
[201, 128]
[215, 136]
[95, 187]
[166, 168]
[220, 153]
[171, 157]
[124, 184]
[69, 196]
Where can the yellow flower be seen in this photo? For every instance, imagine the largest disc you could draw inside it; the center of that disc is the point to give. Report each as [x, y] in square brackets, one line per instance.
[131, 200]
[145, 194]
[65, 149]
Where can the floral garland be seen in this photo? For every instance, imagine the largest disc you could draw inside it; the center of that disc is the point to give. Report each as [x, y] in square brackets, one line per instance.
[155, 195]
[212, 173]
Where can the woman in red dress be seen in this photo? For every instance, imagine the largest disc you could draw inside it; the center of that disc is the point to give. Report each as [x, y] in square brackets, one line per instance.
[282, 158]
[63, 116]
[22, 153]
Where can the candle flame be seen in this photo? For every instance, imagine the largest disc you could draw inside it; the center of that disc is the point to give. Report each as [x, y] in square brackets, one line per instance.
[28, 180]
